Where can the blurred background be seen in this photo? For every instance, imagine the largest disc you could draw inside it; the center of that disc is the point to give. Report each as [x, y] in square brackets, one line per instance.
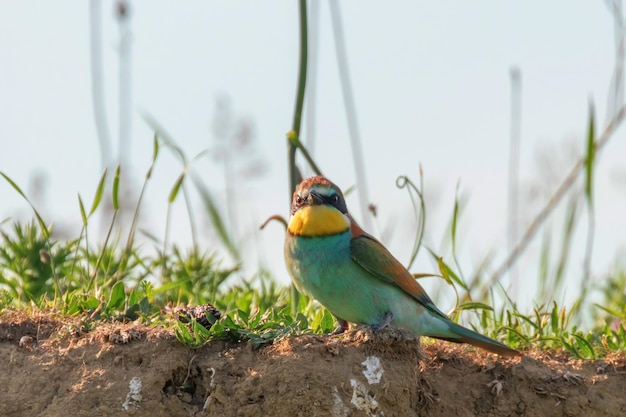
[492, 100]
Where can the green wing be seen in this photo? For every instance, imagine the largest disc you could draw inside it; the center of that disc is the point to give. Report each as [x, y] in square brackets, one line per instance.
[372, 256]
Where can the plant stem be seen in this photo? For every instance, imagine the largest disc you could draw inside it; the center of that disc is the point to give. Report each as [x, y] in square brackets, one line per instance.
[97, 83]
[350, 106]
[294, 176]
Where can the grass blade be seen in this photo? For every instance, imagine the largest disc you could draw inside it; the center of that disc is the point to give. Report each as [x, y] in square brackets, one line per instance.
[116, 188]
[97, 198]
[155, 147]
[472, 305]
[216, 220]
[83, 214]
[447, 273]
[14, 185]
[591, 152]
[42, 224]
[176, 188]
[455, 217]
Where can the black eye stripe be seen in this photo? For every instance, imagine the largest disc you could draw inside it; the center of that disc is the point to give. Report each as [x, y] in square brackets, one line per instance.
[336, 201]
[328, 197]
[331, 199]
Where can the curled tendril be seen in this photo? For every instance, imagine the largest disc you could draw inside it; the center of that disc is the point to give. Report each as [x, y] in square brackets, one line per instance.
[420, 211]
[402, 181]
[276, 217]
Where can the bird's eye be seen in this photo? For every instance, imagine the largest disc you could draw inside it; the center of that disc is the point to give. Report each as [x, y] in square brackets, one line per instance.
[334, 199]
[299, 200]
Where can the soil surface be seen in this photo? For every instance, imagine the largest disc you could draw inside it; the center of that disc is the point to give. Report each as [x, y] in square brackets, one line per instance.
[51, 368]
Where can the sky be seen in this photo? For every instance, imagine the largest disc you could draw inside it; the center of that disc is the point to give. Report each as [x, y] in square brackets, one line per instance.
[432, 88]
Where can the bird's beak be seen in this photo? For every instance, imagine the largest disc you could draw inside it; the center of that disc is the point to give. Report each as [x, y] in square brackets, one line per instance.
[316, 198]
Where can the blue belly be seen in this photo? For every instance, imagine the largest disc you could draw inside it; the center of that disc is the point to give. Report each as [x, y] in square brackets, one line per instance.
[322, 268]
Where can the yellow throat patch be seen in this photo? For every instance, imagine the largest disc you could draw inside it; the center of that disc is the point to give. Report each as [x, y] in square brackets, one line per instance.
[318, 221]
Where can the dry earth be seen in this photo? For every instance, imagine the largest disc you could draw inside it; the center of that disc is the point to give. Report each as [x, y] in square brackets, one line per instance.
[49, 368]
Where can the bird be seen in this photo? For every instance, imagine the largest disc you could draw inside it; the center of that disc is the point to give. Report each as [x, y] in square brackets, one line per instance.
[333, 260]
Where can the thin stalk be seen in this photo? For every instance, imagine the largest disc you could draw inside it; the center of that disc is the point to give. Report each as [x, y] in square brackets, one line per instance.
[305, 153]
[125, 90]
[294, 176]
[350, 106]
[299, 105]
[311, 97]
[587, 277]
[97, 83]
[93, 280]
[589, 169]
[405, 182]
[190, 215]
[133, 225]
[516, 110]
[616, 89]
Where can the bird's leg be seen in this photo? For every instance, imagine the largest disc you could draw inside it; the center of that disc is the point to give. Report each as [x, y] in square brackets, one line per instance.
[384, 322]
[342, 326]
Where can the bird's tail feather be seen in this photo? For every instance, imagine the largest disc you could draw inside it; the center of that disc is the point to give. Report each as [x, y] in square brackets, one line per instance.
[460, 334]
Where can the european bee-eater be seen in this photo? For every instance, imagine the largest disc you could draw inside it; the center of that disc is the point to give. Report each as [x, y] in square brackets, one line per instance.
[331, 259]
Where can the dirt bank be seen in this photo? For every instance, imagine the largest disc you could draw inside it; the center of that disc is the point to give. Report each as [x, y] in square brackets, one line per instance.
[49, 367]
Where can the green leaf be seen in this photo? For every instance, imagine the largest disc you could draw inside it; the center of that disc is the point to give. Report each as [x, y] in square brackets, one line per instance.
[472, 305]
[83, 214]
[155, 153]
[317, 325]
[116, 188]
[14, 185]
[583, 348]
[117, 298]
[99, 192]
[455, 215]
[131, 312]
[242, 315]
[133, 297]
[176, 188]
[517, 333]
[182, 334]
[446, 272]
[200, 333]
[168, 140]
[42, 224]
[527, 320]
[554, 319]
[155, 147]
[216, 220]
[591, 151]
[91, 303]
[144, 305]
[612, 311]
[217, 329]
[165, 288]
[328, 322]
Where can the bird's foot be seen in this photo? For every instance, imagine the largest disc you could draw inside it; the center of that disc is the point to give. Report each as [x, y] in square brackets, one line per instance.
[384, 322]
[342, 327]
